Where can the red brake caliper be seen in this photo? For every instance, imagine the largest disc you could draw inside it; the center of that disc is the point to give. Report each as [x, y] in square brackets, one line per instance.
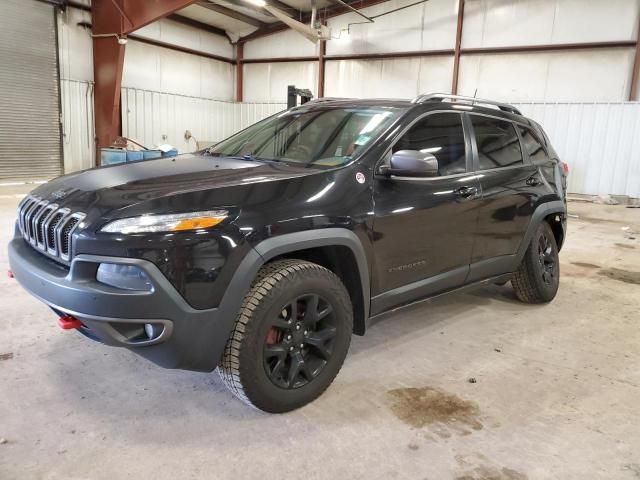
[273, 336]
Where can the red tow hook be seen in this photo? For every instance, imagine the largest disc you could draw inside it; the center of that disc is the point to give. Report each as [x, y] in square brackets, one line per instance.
[67, 322]
[10, 274]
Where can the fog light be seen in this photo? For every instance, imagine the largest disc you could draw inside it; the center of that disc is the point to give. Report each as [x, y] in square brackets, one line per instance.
[127, 277]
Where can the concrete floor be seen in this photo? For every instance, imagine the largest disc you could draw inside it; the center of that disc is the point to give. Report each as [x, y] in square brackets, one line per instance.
[556, 392]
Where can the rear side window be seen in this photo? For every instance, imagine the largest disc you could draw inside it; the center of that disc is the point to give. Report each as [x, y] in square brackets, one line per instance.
[440, 134]
[532, 146]
[498, 143]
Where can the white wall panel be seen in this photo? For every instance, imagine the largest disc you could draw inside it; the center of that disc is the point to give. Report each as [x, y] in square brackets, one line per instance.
[600, 142]
[153, 118]
[499, 23]
[78, 134]
[429, 26]
[573, 76]
[75, 46]
[394, 78]
[160, 69]
[284, 44]
[267, 82]
[177, 34]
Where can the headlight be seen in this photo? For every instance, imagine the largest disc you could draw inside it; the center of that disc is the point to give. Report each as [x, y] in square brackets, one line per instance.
[177, 222]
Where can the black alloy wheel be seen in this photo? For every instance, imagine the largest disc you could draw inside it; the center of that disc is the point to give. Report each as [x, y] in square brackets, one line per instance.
[547, 259]
[300, 341]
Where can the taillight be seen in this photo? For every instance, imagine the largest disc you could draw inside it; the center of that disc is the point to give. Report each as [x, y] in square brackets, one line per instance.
[565, 168]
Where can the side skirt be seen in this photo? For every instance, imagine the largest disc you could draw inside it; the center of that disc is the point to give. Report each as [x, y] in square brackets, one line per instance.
[465, 288]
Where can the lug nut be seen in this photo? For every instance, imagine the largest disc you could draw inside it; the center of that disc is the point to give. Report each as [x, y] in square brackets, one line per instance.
[306, 333]
[291, 349]
[302, 345]
[298, 326]
[288, 337]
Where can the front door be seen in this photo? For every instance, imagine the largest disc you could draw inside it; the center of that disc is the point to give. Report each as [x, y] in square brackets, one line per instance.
[424, 227]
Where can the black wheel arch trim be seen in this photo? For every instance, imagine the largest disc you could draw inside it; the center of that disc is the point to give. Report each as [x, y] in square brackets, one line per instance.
[539, 214]
[326, 237]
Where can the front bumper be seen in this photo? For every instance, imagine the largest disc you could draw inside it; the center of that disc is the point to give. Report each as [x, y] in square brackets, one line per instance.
[188, 338]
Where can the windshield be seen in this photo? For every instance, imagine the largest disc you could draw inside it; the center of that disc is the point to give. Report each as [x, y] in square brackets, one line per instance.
[329, 137]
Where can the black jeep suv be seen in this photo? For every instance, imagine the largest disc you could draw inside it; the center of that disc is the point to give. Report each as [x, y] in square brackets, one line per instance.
[262, 255]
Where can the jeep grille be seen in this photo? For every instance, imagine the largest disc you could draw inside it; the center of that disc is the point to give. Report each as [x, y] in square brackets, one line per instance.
[47, 227]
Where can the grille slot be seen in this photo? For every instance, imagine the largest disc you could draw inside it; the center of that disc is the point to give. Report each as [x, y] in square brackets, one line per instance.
[48, 228]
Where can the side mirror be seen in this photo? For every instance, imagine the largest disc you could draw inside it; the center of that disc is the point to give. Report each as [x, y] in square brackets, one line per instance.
[412, 163]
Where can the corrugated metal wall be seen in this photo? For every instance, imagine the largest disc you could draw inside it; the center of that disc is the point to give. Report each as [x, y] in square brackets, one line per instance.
[599, 141]
[78, 134]
[153, 118]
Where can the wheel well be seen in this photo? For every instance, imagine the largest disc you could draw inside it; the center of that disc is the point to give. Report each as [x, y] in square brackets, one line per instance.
[555, 222]
[341, 261]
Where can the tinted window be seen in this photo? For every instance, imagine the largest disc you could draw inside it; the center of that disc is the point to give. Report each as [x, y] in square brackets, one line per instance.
[498, 144]
[442, 135]
[532, 146]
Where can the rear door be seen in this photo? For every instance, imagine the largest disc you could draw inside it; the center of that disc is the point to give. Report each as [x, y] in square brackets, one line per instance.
[508, 198]
[423, 227]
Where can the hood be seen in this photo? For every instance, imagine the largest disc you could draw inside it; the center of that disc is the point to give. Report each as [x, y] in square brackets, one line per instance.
[124, 185]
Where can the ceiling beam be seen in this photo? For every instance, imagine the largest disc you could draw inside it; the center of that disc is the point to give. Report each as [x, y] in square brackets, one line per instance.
[323, 14]
[196, 24]
[214, 7]
[284, 7]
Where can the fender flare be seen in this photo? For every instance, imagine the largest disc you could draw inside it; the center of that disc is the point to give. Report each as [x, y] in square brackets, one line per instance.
[282, 244]
[539, 214]
[326, 237]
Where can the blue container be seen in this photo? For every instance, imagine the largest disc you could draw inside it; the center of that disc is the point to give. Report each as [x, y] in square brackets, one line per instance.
[111, 156]
[149, 154]
[134, 155]
[171, 153]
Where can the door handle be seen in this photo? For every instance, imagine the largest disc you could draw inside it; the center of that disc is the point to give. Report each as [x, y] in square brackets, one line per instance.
[533, 181]
[466, 192]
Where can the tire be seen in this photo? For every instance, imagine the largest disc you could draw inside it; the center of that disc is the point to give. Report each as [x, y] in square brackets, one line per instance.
[280, 356]
[538, 277]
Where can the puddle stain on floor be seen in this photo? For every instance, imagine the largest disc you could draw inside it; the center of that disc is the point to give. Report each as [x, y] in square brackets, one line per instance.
[426, 406]
[621, 275]
[6, 356]
[585, 265]
[624, 245]
[491, 473]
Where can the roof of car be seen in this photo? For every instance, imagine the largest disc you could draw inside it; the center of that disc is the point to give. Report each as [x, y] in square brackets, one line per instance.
[359, 102]
[441, 103]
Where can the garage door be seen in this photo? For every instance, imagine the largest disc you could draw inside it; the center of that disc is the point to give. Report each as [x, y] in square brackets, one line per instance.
[29, 97]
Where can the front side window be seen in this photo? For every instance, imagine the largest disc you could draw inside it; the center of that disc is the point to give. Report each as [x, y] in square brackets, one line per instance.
[442, 135]
[498, 144]
[532, 146]
[329, 137]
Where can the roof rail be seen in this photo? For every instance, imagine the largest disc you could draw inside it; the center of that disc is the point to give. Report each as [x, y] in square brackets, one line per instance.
[505, 107]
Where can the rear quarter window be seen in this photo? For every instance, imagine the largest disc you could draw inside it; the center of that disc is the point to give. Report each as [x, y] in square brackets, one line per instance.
[497, 141]
[533, 146]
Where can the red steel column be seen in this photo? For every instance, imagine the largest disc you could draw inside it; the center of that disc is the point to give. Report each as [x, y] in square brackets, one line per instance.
[456, 55]
[113, 19]
[321, 64]
[239, 71]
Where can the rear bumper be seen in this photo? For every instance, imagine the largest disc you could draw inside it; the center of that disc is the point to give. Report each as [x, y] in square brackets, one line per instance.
[187, 338]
